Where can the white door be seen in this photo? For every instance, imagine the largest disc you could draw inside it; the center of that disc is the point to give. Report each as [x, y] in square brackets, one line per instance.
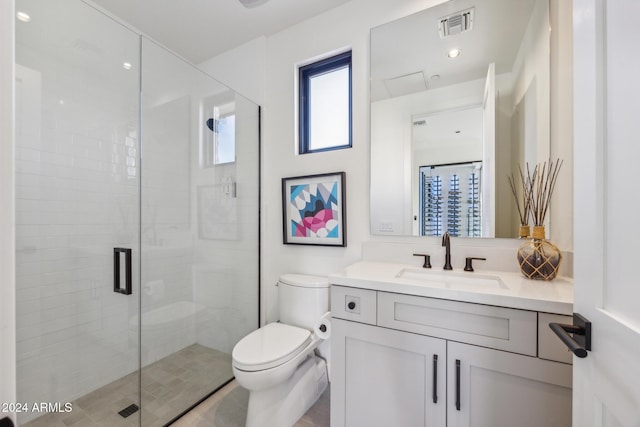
[607, 203]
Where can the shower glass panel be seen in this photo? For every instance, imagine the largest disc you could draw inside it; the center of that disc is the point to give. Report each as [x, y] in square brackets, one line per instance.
[77, 192]
[199, 231]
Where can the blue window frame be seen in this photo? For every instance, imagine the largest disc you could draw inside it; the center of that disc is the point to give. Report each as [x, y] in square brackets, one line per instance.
[325, 104]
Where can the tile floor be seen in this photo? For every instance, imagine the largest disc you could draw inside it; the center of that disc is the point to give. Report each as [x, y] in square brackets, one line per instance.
[228, 408]
[169, 387]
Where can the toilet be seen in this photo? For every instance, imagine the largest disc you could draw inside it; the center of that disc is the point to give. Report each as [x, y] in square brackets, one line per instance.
[278, 363]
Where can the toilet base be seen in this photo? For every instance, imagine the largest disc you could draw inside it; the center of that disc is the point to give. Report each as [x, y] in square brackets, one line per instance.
[286, 403]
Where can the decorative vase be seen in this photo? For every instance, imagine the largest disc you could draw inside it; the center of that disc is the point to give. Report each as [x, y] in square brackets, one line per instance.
[524, 232]
[538, 258]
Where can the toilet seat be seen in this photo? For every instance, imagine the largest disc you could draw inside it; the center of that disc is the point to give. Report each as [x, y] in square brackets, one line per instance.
[270, 346]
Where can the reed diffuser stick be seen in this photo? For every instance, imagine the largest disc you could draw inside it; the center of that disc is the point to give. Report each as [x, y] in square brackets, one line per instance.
[525, 186]
[544, 180]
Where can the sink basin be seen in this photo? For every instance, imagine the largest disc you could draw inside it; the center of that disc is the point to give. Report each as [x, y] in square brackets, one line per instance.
[452, 279]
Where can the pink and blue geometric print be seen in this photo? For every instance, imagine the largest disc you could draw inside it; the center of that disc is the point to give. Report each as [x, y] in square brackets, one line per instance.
[314, 209]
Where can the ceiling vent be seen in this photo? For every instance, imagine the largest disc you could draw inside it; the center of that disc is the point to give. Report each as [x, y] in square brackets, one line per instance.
[404, 85]
[456, 23]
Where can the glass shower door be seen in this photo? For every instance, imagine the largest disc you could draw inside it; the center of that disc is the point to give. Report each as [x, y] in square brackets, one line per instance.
[77, 192]
[199, 211]
[137, 223]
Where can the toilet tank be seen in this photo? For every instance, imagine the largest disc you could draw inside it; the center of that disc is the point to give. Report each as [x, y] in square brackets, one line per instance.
[302, 299]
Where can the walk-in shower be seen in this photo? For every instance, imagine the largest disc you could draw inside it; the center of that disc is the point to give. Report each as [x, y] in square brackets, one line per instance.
[137, 229]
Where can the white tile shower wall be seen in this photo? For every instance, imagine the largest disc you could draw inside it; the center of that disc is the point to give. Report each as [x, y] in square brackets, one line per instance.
[76, 190]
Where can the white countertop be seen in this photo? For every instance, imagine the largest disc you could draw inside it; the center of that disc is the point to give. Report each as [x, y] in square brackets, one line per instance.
[554, 296]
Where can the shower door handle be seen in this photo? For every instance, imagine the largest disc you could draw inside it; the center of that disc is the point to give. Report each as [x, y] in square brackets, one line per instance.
[122, 271]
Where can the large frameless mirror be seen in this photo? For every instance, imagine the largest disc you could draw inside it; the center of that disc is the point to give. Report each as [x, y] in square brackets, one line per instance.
[459, 98]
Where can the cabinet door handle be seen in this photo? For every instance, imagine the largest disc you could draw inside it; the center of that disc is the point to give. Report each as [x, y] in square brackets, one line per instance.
[458, 384]
[435, 378]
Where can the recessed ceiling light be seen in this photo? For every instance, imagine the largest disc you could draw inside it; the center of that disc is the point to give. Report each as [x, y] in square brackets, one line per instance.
[126, 65]
[23, 16]
[454, 53]
[252, 3]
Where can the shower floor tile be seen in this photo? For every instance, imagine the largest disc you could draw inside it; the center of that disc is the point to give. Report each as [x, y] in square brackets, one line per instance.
[228, 408]
[169, 386]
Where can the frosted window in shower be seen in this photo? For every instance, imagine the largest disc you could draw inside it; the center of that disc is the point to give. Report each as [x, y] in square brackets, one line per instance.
[225, 149]
[218, 142]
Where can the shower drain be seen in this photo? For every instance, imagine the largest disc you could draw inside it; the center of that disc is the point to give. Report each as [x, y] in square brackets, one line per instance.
[131, 409]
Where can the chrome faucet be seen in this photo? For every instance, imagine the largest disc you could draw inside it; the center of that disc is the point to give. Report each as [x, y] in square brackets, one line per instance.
[447, 255]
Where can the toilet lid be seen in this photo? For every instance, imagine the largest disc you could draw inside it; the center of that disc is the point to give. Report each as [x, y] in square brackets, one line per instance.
[269, 346]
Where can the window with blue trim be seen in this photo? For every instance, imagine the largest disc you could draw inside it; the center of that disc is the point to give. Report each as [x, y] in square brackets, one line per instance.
[325, 104]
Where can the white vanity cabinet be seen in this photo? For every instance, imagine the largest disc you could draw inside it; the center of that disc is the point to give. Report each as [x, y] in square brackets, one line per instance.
[492, 388]
[384, 377]
[406, 360]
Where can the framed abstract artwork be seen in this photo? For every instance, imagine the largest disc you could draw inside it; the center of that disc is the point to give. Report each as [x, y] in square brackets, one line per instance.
[313, 210]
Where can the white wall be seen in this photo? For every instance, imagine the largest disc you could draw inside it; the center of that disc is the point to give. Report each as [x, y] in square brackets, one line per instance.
[333, 30]
[7, 227]
[242, 69]
[344, 27]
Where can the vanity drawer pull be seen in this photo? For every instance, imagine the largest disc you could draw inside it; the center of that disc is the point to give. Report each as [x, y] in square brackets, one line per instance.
[435, 378]
[458, 384]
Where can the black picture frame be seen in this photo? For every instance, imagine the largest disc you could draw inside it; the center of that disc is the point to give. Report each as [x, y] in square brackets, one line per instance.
[314, 210]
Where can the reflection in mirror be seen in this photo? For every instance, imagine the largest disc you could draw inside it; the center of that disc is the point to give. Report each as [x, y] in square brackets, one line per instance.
[449, 192]
[487, 107]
